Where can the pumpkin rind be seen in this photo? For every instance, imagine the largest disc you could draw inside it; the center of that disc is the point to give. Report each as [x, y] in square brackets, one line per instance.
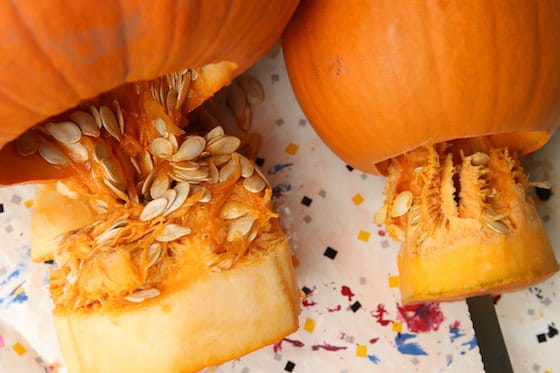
[377, 79]
[53, 57]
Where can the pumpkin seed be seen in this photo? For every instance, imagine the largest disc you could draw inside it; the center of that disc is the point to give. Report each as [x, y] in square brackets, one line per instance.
[110, 122]
[50, 153]
[185, 165]
[182, 192]
[146, 163]
[141, 295]
[247, 168]
[480, 159]
[153, 254]
[214, 133]
[116, 190]
[159, 185]
[183, 89]
[254, 184]
[108, 236]
[497, 226]
[380, 215]
[28, 143]
[170, 195]
[119, 114]
[161, 147]
[112, 170]
[66, 191]
[172, 232]
[206, 195]
[200, 174]
[101, 150]
[96, 115]
[234, 210]
[240, 227]
[65, 132]
[160, 126]
[237, 101]
[171, 100]
[401, 204]
[230, 169]
[153, 208]
[191, 148]
[148, 182]
[223, 145]
[252, 88]
[86, 122]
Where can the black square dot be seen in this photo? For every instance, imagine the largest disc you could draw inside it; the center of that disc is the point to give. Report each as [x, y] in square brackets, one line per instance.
[259, 162]
[289, 366]
[1, 207]
[306, 201]
[541, 338]
[349, 168]
[356, 306]
[306, 290]
[50, 261]
[544, 194]
[330, 252]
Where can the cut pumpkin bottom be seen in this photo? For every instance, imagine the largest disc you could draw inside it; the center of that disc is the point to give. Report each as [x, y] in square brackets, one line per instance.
[175, 260]
[466, 224]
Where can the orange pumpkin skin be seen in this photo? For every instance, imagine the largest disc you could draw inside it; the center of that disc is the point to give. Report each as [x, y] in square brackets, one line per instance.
[377, 79]
[53, 57]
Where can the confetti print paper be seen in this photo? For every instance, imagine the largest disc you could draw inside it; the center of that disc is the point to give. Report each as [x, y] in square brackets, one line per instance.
[351, 319]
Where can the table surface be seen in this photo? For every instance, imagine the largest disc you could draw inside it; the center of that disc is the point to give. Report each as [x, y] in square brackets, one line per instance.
[351, 319]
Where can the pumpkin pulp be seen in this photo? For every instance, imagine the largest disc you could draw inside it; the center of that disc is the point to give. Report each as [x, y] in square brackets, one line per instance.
[466, 223]
[120, 253]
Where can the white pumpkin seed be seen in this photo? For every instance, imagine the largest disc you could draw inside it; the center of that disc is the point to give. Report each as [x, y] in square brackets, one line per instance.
[101, 150]
[153, 254]
[206, 196]
[182, 192]
[185, 165]
[159, 185]
[191, 148]
[141, 295]
[214, 133]
[240, 227]
[66, 191]
[52, 154]
[170, 195]
[65, 132]
[116, 190]
[146, 163]
[172, 232]
[93, 110]
[160, 126]
[234, 210]
[171, 99]
[108, 236]
[153, 208]
[497, 226]
[254, 183]
[112, 170]
[183, 89]
[230, 169]
[86, 122]
[247, 168]
[401, 204]
[110, 122]
[119, 114]
[223, 145]
[480, 159]
[161, 147]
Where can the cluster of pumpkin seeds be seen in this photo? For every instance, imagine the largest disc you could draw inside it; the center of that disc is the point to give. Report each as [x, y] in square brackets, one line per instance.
[437, 190]
[173, 166]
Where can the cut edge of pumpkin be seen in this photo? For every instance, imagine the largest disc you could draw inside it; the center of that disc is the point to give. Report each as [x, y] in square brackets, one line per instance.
[15, 169]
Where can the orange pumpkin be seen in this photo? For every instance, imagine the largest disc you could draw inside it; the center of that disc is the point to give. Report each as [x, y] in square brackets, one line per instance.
[442, 96]
[54, 57]
[162, 231]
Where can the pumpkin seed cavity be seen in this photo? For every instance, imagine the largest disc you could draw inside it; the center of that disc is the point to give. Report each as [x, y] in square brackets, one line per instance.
[433, 188]
[153, 182]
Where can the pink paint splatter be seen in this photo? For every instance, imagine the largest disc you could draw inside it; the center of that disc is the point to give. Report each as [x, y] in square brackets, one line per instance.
[335, 309]
[456, 325]
[277, 347]
[379, 315]
[381, 233]
[328, 347]
[421, 318]
[374, 340]
[308, 303]
[347, 292]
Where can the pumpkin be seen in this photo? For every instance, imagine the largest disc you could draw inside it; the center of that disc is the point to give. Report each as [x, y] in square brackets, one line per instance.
[443, 97]
[166, 244]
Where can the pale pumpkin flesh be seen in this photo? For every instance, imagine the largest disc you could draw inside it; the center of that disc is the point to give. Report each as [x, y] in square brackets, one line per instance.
[466, 223]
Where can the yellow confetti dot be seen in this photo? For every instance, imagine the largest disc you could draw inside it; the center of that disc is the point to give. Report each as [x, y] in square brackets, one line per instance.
[397, 326]
[19, 349]
[361, 350]
[292, 149]
[393, 281]
[358, 199]
[309, 325]
[364, 236]
[29, 203]
[547, 371]
[19, 290]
